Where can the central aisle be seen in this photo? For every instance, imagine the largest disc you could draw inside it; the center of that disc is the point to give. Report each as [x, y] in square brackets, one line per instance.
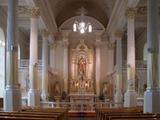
[82, 116]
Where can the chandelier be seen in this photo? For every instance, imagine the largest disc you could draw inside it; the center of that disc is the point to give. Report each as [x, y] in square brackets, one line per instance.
[81, 26]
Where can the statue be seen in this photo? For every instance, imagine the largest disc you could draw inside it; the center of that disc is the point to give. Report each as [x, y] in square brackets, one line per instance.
[82, 66]
[105, 89]
[57, 90]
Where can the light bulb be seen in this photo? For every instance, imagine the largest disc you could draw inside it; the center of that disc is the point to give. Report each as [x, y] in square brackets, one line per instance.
[90, 28]
[82, 24]
[74, 27]
[82, 31]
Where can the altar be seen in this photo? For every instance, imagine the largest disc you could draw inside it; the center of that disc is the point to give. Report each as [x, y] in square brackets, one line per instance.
[82, 79]
[81, 76]
[82, 102]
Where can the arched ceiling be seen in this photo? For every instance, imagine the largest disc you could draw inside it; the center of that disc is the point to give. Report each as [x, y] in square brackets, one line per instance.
[65, 9]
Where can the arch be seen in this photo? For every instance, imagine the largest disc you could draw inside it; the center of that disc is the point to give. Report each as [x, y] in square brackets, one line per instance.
[93, 8]
[145, 52]
[2, 61]
[69, 23]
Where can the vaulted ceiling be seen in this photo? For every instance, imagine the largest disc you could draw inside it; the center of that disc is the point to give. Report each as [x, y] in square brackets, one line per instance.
[65, 9]
[56, 12]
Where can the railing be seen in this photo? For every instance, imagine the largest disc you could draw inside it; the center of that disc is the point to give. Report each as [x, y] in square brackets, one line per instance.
[139, 64]
[25, 63]
[79, 106]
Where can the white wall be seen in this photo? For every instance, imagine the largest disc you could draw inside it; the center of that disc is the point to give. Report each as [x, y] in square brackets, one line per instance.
[2, 63]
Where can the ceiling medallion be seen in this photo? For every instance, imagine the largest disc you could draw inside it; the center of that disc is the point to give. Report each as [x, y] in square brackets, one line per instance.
[80, 25]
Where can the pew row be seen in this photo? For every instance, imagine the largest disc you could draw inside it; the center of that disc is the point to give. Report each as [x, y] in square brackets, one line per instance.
[36, 114]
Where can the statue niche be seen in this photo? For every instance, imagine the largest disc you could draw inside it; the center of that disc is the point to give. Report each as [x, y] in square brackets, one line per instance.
[82, 66]
[81, 69]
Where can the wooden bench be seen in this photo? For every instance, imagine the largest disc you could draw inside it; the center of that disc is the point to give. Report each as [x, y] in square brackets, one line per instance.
[63, 112]
[23, 118]
[136, 117]
[103, 113]
[36, 114]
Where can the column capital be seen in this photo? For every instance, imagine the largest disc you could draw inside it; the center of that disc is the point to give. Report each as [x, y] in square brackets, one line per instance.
[53, 45]
[34, 12]
[110, 45]
[119, 33]
[98, 43]
[131, 13]
[45, 33]
[65, 43]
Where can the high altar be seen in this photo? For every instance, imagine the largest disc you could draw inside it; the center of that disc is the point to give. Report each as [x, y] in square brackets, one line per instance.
[81, 84]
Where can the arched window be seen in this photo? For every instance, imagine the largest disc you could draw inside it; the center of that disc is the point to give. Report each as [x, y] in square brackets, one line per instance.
[145, 52]
[2, 62]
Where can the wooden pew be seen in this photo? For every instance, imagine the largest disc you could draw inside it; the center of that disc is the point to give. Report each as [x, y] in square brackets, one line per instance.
[125, 114]
[103, 113]
[21, 114]
[36, 114]
[136, 117]
[63, 112]
[22, 118]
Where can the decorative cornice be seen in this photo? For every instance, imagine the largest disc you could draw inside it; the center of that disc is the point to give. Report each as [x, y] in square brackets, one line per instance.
[110, 45]
[23, 10]
[53, 45]
[98, 43]
[65, 43]
[131, 13]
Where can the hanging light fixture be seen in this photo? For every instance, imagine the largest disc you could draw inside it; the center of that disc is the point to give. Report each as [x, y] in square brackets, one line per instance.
[81, 26]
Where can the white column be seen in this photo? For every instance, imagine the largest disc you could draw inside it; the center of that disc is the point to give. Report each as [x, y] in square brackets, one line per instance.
[33, 93]
[44, 91]
[152, 94]
[65, 62]
[12, 94]
[53, 56]
[130, 97]
[98, 63]
[111, 47]
[118, 95]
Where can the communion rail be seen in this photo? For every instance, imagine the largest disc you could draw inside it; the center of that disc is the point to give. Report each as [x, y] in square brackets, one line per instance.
[79, 106]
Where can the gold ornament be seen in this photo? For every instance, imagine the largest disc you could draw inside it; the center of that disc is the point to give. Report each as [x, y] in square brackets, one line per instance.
[131, 13]
[34, 12]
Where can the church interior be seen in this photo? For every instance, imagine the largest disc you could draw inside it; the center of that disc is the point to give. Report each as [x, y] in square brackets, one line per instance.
[79, 59]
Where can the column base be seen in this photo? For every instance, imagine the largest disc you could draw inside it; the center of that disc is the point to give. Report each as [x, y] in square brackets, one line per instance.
[130, 98]
[12, 98]
[44, 96]
[118, 99]
[34, 98]
[151, 101]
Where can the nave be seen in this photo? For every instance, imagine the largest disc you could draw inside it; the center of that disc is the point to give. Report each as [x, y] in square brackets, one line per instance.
[78, 61]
